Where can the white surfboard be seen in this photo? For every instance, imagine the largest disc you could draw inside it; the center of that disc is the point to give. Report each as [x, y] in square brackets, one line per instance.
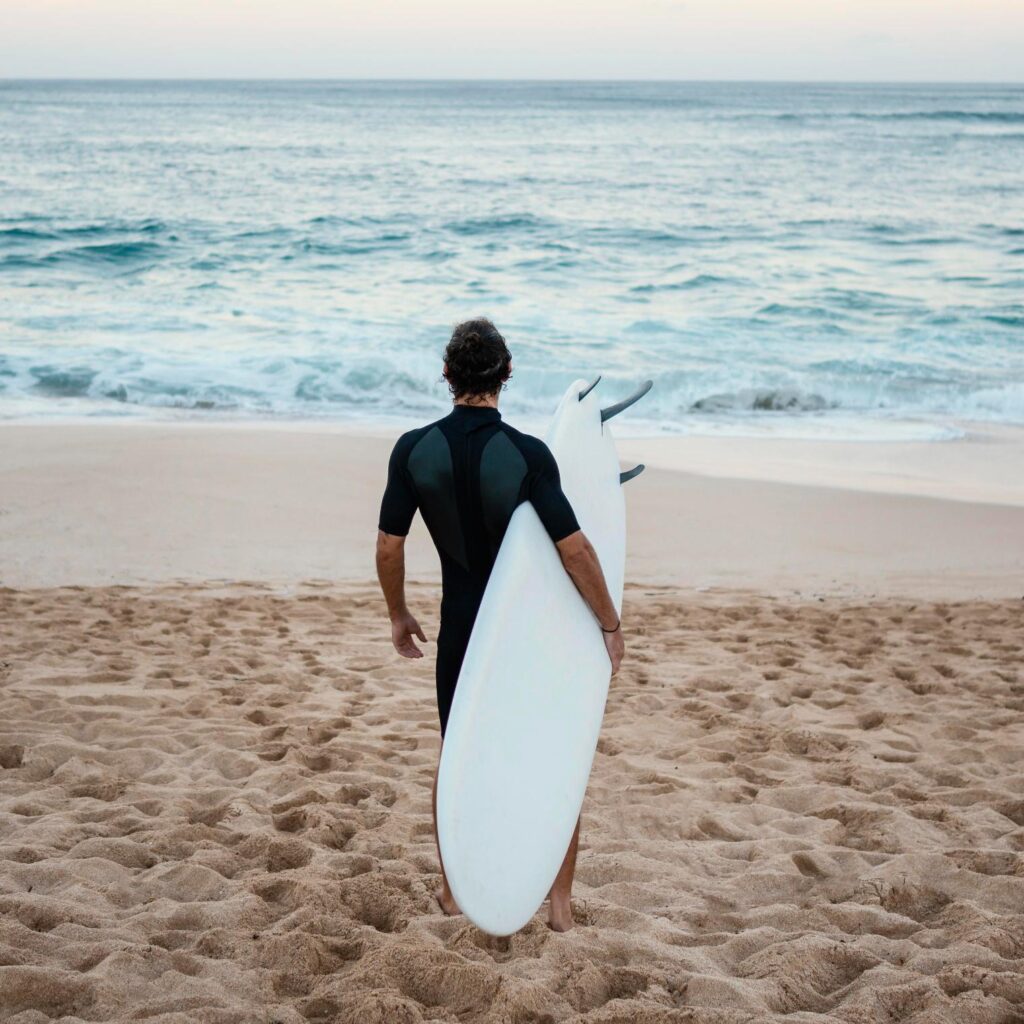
[524, 723]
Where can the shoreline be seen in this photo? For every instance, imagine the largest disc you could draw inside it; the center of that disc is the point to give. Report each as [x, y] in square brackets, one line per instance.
[948, 469]
[939, 467]
[97, 504]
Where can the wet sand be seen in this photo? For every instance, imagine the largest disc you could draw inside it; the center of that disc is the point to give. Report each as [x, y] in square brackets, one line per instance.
[142, 503]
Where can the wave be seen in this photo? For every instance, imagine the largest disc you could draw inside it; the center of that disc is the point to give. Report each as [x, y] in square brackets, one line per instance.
[691, 283]
[983, 116]
[1005, 319]
[72, 382]
[486, 225]
[824, 316]
[377, 387]
[763, 400]
[619, 237]
[100, 229]
[996, 117]
[101, 244]
[362, 221]
[356, 247]
[257, 386]
[25, 235]
[110, 254]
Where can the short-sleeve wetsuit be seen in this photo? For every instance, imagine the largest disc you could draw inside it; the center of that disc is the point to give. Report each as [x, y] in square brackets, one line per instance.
[467, 473]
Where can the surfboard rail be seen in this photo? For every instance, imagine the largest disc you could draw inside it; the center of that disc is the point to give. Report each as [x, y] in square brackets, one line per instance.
[528, 706]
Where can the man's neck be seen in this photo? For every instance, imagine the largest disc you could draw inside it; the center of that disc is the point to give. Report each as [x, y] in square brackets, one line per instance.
[485, 402]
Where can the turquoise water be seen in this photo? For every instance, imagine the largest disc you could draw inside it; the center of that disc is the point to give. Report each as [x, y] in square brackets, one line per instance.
[810, 260]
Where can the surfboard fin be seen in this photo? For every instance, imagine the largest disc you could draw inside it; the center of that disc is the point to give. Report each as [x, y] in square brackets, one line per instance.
[630, 473]
[614, 410]
[590, 387]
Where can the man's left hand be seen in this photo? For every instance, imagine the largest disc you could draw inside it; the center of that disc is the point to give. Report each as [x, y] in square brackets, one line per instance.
[403, 628]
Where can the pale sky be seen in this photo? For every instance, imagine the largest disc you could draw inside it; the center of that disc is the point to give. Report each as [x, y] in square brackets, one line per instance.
[876, 40]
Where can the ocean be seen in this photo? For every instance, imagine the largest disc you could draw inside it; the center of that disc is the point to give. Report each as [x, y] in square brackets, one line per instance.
[834, 261]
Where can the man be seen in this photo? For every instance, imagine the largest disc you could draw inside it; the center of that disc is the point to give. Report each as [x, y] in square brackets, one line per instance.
[467, 473]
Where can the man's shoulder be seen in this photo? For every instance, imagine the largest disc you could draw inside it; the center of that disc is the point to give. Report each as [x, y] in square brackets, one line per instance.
[533, 449]
[407, 441]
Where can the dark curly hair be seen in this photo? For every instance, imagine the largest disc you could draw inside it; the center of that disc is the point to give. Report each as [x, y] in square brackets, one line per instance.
[477, 359]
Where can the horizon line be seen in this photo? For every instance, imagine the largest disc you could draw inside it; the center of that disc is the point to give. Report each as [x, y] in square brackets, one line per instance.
[510, 79]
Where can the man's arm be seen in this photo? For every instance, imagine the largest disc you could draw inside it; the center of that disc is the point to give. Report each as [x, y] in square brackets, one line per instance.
[397, 508]
[577, 553]
[581, 563]
[391, 573]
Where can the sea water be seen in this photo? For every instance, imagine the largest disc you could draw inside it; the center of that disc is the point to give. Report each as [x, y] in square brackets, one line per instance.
[804, 260]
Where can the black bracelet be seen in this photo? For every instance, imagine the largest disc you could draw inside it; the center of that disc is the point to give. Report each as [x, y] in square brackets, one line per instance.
[615, 630]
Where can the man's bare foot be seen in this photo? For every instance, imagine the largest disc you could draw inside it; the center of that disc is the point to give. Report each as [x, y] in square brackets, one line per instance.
[560, 914]
[447, 901]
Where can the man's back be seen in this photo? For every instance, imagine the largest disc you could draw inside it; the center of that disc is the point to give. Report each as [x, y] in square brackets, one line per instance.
[467, 473]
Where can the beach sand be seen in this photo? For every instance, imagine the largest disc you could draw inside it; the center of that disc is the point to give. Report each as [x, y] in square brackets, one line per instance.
[141, 503]
[807, 803]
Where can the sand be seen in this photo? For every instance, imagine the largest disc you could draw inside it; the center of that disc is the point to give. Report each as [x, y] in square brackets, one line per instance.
[985, 466]
[807, 804]
[215, 807]
[146, 503]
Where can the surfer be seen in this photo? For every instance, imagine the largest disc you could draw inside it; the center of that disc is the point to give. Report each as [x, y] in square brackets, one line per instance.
[467, 473]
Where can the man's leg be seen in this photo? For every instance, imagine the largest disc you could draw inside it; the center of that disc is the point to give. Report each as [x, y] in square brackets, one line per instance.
[560, 916]
[444, 894]
[452, 640]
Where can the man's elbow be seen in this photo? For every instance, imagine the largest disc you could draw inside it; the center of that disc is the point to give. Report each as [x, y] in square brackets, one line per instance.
[389, 544]
[575, 550]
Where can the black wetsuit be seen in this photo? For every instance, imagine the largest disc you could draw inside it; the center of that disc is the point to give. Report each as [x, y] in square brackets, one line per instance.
[467, 473]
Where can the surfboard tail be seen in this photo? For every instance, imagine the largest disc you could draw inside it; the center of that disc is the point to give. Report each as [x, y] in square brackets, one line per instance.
[614, 410]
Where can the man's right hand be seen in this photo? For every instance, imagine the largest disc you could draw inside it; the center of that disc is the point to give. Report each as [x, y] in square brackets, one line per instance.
[581, 563]
[403, 628]
[616, 648]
